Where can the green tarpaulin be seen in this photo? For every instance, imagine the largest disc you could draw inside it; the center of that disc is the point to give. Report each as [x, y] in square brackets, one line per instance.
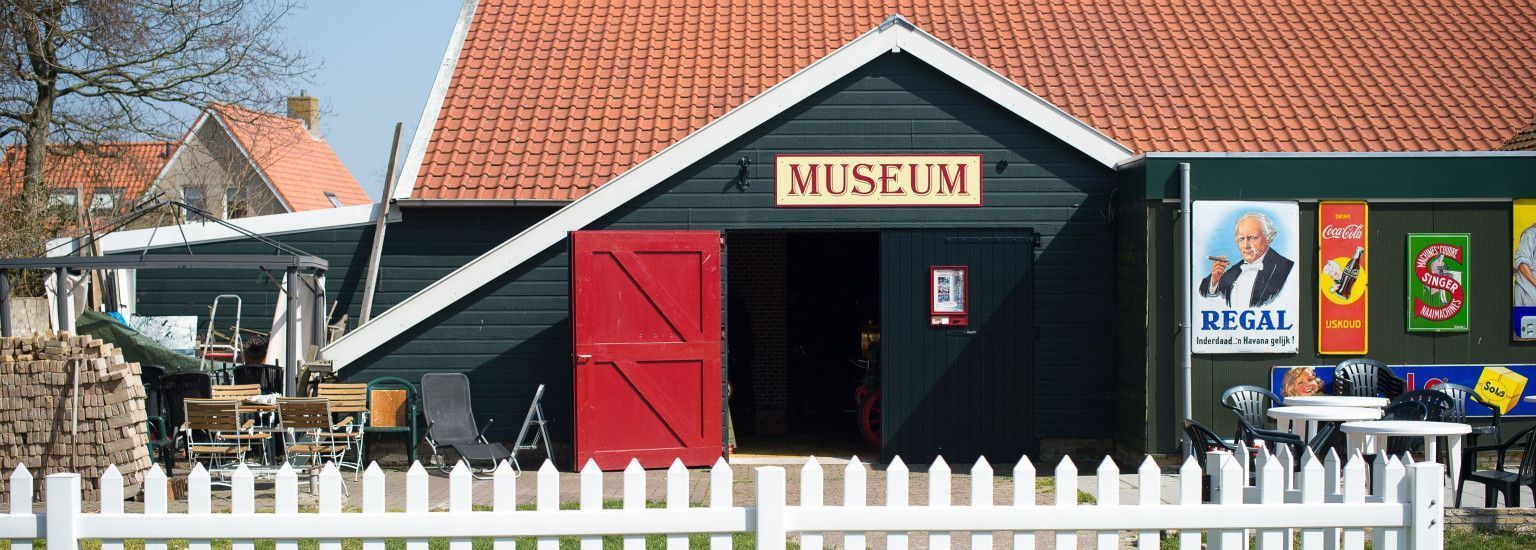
[136, 347]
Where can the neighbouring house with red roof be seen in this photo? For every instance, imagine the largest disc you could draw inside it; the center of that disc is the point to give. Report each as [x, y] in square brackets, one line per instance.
[923, 227]
[101, 178]
[237, 162]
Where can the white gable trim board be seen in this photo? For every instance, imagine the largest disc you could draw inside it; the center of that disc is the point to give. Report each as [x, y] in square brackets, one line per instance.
[894, 35]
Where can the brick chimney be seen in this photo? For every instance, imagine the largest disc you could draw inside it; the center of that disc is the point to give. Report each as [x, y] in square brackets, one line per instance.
[306, 109]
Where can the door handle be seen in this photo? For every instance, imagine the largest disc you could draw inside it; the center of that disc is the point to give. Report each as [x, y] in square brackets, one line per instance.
[584, 357]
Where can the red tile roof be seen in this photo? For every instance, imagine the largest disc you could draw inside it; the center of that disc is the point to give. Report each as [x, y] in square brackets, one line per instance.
[1523, 141]
[550, 99]
[300, 166]
[126, 167]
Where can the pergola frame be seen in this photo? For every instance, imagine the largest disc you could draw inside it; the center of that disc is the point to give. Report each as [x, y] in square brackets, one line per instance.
[292, 266]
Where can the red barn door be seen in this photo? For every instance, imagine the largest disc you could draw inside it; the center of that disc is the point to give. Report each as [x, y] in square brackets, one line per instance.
[645, 309]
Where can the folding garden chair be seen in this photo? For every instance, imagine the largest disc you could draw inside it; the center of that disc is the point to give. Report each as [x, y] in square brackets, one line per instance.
[309, 435]
[350, 402]
[451, 424]
[214, 433]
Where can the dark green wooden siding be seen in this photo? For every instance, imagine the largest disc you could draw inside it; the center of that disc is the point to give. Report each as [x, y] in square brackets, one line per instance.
[893, 105]
[1489, 340]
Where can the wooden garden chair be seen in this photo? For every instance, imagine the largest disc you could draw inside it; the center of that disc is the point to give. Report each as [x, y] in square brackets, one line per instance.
[350, 401]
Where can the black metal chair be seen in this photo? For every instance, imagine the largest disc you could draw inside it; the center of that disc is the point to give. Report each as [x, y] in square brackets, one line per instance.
[269, 377]
[1403, 410]
[162, 442]
[1202, 441]
[1460, 395]
[1436, 403]
[1249, 403]
[451, 423]
[1366, 378]
[177, 388]
[1251, 435]
[1498, 481]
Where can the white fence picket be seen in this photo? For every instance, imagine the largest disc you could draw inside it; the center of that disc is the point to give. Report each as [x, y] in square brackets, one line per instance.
[1354, 492]
[1148, 493]
[461, 495]
[721, 489]
[199, 502]
[634, 499]
[242, 501]
[21, 506]
[811, 492]
[1387, 478]
[1427, 506]
[855, 479]
[374, 499]
[1066, 496]
[770, 508]
[938, 499]
[1272, 491]
[1108, 498]
[286, 502]
[1023, 497]
[330, 502]
[591, 499]
[897, 485]
[1227, 481]
[677, 499]
[1190, 484]
[111, 492]
[547, 498]
[981, 498]
[416, 500]
[1311, 484]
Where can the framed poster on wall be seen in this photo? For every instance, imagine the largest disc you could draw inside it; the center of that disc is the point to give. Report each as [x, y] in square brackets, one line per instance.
[1522, 318]
[1248, 297]
[947, 295]
[1437, 282]
[1343, 237]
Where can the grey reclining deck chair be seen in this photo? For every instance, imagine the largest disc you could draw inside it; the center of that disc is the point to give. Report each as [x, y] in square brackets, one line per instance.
[450, 423]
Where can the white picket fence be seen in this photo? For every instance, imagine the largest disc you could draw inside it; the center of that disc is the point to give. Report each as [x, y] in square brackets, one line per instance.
[1328, 505]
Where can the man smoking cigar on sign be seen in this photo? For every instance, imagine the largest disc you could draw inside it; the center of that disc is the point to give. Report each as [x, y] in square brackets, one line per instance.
[1258, 278]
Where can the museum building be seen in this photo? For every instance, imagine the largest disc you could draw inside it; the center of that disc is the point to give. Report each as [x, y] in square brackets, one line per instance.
[687, 219]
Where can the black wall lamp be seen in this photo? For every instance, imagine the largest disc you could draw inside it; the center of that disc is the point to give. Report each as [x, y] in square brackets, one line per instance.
[743, 173]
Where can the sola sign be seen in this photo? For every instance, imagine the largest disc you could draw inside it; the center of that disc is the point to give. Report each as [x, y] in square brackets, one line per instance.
[1437, 277]
[1342, 284]
[878, 180]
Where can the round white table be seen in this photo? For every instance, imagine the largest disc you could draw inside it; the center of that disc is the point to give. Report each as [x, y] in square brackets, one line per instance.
[1306, 417]
[1337, 401]
[1364, 436]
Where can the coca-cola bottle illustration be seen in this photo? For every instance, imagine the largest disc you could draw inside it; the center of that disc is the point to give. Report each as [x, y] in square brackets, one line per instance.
[1346, 282]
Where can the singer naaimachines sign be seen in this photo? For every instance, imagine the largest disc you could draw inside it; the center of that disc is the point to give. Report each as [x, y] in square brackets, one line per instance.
[1246, 297]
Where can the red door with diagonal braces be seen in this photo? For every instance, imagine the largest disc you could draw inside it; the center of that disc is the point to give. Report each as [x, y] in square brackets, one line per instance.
[645, 309]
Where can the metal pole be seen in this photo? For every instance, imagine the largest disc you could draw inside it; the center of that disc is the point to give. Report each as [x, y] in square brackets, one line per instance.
[61, 300]
[319, 317]
[291, 333]
[5, 302]
[1186, 270]
[377, 249]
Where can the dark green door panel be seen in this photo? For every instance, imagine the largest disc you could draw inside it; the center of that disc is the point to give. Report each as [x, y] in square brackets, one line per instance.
[959, 392]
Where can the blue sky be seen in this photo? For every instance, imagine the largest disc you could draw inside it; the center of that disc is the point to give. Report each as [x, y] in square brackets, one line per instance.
[379, 58]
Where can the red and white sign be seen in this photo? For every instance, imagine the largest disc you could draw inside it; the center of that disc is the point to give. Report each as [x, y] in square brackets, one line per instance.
[1342, 287]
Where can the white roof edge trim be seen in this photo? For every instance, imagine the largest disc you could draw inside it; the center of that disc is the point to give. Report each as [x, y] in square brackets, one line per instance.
[202, 118]
[673, 159]
[1342, 154]
[272, 224]
[423, 134]
[229, 133]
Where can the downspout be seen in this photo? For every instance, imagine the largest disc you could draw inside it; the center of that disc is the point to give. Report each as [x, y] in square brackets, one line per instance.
[1187, 276]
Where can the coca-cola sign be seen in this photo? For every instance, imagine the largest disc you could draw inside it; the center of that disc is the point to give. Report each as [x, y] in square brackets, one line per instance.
[1343, 285]
[1350, 231]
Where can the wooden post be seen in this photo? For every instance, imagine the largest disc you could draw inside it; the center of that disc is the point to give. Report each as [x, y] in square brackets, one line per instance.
[5, 302]
[376, 249]
[1428, 510]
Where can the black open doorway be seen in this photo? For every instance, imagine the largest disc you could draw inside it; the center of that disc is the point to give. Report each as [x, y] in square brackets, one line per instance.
[803, 320]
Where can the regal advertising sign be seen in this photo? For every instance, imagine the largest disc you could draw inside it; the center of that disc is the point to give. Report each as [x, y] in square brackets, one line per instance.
[1522, 320]
[1342, 241]
[1248, 297]
[878, 180]
[1437, 282]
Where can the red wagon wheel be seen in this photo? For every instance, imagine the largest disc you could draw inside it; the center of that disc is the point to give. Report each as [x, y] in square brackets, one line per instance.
[869, 418]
